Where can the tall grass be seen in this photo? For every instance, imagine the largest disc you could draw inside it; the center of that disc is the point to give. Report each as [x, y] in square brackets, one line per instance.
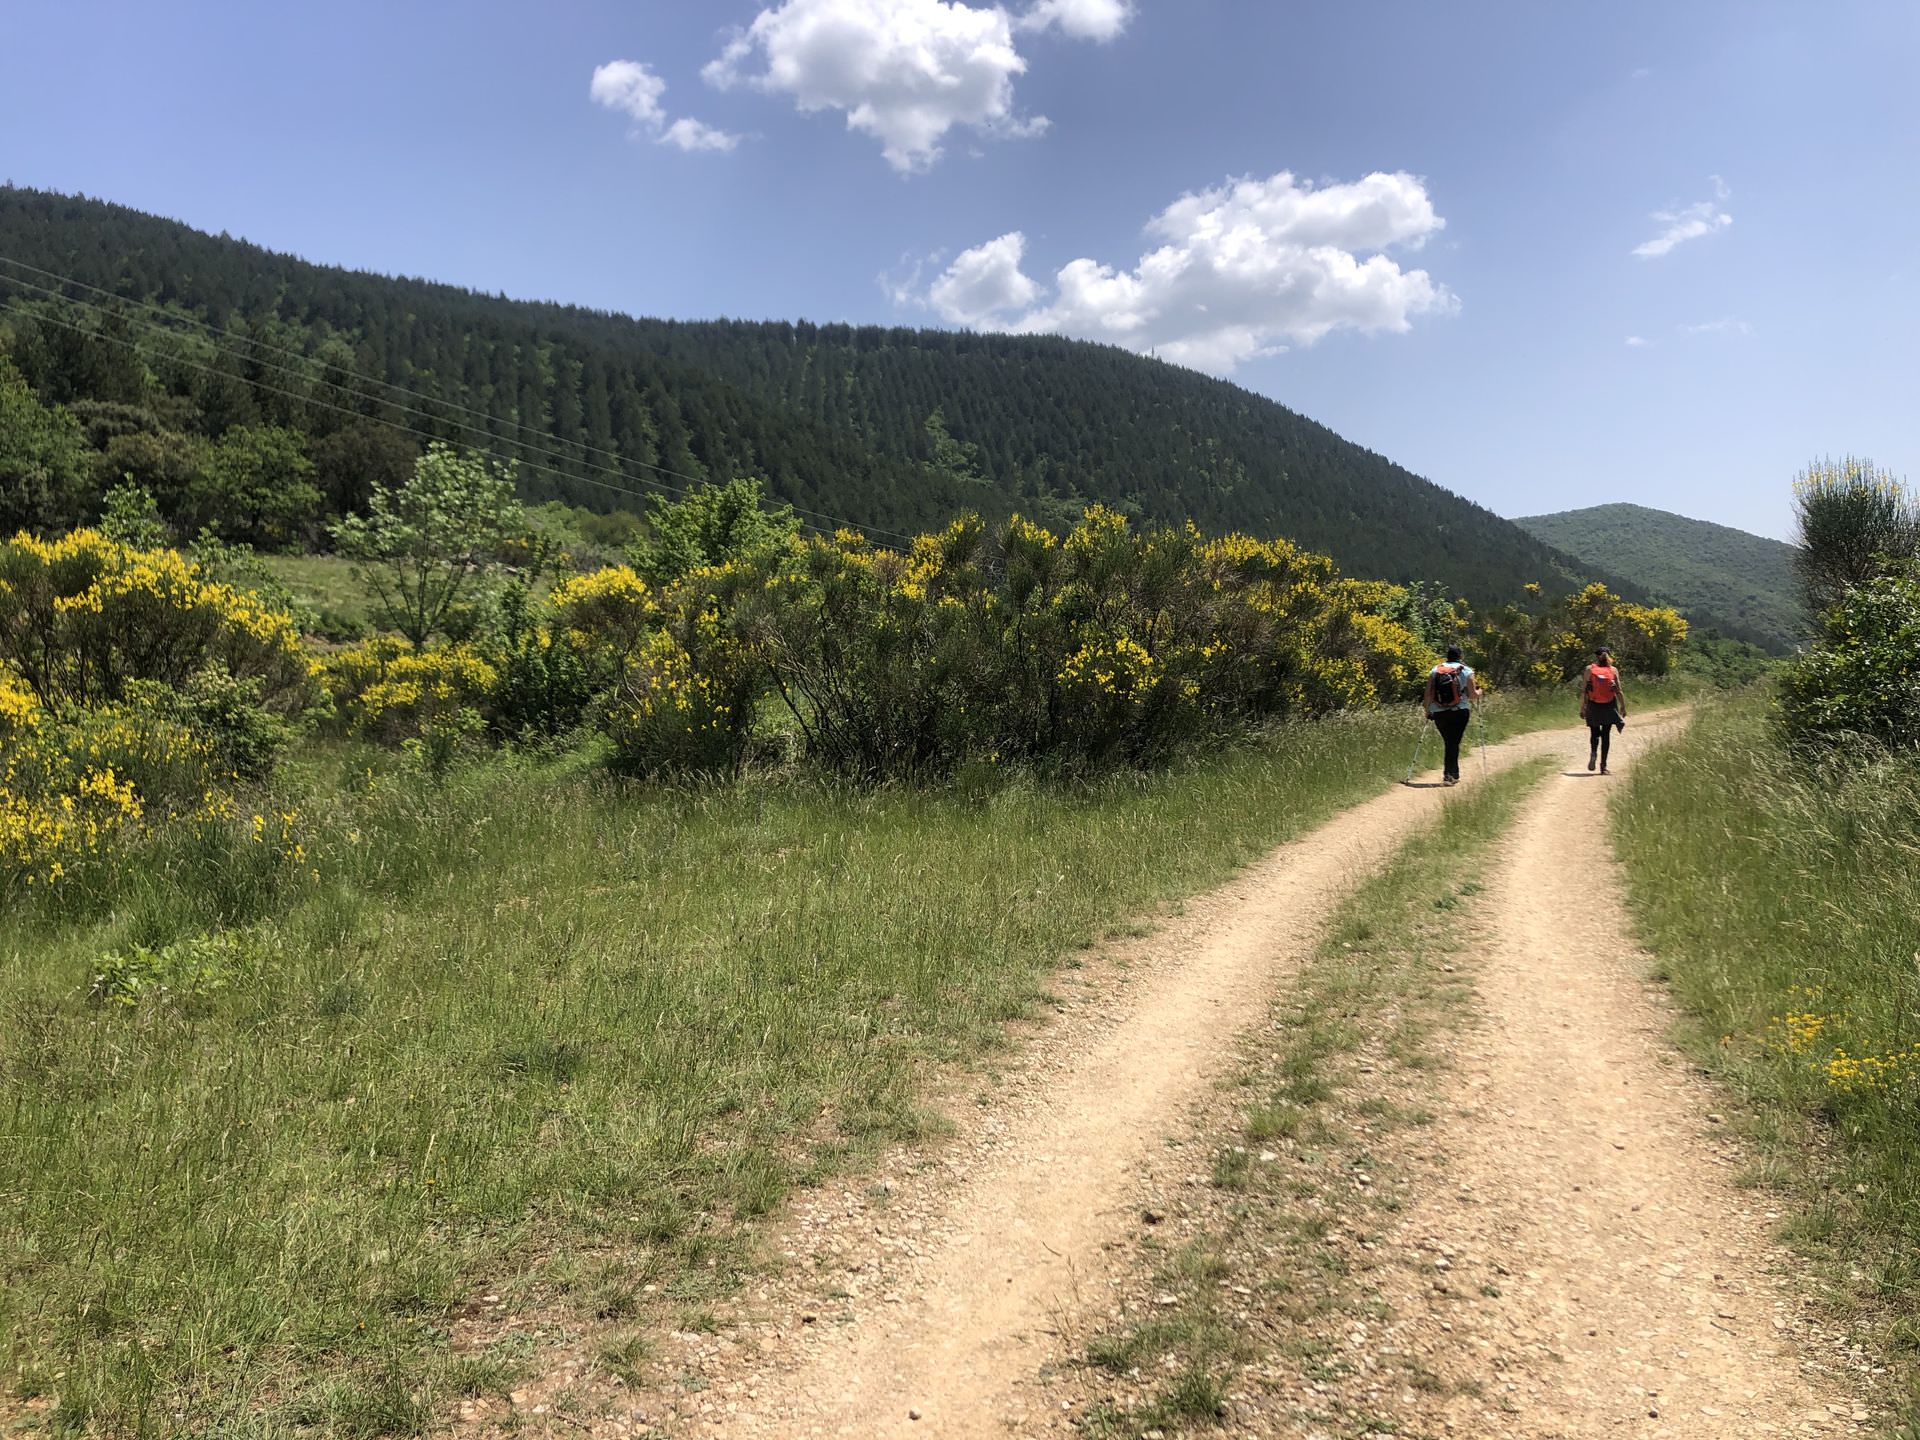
[1783, 902]
[529, 1028]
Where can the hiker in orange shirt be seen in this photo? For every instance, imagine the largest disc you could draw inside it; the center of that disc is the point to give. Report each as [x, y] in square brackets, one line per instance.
[1603, 706]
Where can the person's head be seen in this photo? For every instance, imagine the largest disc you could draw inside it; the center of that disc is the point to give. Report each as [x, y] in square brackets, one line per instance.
[1603, 655]
[1454, 653]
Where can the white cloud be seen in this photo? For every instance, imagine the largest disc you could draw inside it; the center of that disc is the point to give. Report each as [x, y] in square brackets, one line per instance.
[1244, 269]
[903, 71]
[1696, 220]
[984, 282]
[1728, 326]
[690, 134]
[1100, 20]
[633, 89]
[1635, 342]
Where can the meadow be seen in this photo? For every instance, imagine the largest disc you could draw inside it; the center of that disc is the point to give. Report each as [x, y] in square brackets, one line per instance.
[532, 1029]
[1780, 894]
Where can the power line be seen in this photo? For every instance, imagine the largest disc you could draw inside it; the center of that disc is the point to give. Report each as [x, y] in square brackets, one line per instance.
[21, 307]
[303, 373]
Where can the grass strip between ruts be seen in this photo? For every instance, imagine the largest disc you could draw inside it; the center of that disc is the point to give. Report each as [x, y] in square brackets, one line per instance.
[1244, 1298]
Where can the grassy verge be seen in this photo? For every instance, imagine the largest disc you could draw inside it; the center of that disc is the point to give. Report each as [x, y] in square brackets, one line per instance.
[527, 1030]
[1254, 1290]
[1781, 902]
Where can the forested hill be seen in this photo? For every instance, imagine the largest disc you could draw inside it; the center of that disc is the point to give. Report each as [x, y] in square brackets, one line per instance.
[1720, 577]
[891, 428]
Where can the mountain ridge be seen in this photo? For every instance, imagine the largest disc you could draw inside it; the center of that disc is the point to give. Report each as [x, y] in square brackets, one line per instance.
[1721, 577]
[889, 427]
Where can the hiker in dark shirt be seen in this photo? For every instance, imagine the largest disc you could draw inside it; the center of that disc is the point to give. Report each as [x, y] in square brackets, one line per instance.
[1451, 691]
[1603, 705]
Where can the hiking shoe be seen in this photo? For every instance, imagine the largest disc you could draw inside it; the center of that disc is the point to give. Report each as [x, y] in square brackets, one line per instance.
[1605, 771]
[1450, 780]
[1591, 762]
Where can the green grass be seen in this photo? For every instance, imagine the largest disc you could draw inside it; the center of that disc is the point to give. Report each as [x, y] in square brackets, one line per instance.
[532, 1031]
[1379, 986]
[1755, 880]
[323, 584]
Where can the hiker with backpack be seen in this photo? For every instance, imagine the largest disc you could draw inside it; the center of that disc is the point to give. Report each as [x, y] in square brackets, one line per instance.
[1451, 691]
[1603, 706]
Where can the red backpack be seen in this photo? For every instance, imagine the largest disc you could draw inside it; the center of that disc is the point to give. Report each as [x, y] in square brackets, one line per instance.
[1603, 684]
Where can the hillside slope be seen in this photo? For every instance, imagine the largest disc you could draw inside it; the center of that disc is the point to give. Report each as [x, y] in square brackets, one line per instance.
[1728, 579]
[836, 418]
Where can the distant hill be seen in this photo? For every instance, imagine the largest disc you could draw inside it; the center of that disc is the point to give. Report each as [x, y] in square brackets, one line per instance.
[888, 428]
[1719, 577]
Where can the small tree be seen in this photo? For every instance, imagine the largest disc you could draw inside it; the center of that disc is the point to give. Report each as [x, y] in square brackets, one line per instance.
[257, 486]
[1853, 517]
[427, 546]
[43, 459]
[710, 526]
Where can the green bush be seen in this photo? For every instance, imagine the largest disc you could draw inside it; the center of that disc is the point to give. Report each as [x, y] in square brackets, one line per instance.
[1862, 678]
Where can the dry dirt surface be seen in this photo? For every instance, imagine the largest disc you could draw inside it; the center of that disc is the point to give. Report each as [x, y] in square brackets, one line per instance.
[1589, 1181]
[932, 1297]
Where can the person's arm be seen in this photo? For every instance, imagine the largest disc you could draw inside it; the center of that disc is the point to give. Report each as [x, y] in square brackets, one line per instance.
[1426, 695]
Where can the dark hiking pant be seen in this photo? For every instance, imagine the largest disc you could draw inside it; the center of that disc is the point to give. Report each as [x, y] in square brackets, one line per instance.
[1452, 725]
[1601, 720]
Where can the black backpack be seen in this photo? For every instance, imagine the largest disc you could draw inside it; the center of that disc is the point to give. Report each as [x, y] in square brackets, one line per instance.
[1446, 686]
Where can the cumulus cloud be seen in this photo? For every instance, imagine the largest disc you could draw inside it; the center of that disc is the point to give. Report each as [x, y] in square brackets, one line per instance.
[1701, 218]
[1635, 342]
[1100, 20]
[984, 283]
[903, 71]
[1243, 270]
[633, 89]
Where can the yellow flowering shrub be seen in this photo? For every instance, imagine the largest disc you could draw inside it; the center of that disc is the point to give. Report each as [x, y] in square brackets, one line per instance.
[607, 616]
[83, 617]
[670, 715]
[1554, 643]
[386, 690]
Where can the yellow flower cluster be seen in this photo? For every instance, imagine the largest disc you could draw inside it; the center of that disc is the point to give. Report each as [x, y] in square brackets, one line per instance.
[1858, 1074]
[1120, 667]
[385, 688]
[19, 706]
[83, 614]
[1802, 1026]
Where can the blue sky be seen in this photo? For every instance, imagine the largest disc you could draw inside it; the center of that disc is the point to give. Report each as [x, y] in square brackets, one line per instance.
[1467, 311]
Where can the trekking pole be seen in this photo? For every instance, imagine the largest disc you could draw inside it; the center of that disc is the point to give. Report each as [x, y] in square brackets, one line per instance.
[1418, 746]
[1485, 741]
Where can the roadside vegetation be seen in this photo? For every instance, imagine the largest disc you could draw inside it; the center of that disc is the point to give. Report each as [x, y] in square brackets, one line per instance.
[1775, 875]
[544, 932]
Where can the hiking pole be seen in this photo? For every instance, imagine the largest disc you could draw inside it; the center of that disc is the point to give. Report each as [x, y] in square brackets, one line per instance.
[1481, 711]
[1418, 746]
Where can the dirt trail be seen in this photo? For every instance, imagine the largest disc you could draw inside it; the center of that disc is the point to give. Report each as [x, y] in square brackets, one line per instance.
[1639, 1292]
[981, 1259]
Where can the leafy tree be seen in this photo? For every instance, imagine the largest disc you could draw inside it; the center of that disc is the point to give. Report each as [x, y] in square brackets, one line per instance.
[1853, 517]
[955, 458]
[359, 459]
[257, 486]
[432, 543]
[1862, 679]
[165, 463]
[710, 526]
[44, 461]
[132, 516]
